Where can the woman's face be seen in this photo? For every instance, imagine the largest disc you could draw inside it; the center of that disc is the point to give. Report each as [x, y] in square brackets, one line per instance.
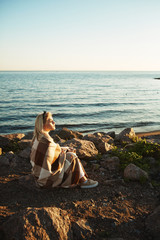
[49, 124]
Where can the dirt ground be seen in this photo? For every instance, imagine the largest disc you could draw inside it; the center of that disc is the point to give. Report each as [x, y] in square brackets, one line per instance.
[112, 211]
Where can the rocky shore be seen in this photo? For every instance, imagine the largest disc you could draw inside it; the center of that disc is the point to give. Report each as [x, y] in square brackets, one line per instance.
[125, 205]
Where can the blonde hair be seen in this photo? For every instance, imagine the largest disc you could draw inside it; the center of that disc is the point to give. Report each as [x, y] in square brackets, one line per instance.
[39, 123]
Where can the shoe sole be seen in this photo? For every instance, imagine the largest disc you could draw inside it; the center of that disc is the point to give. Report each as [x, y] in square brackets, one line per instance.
[90, 186]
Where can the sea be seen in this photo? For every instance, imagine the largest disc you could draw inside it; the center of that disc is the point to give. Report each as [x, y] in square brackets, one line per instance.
[90, 101]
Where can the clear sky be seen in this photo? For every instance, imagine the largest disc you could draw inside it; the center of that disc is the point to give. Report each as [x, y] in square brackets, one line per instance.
[80, 35]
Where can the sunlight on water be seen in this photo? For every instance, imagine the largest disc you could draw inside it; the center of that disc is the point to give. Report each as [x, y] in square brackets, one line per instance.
[83, 101]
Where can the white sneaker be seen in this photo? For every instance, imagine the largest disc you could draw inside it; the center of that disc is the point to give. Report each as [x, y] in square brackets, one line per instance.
[89, 184]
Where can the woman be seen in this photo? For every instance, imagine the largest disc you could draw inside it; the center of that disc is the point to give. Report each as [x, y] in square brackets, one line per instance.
[52, 165]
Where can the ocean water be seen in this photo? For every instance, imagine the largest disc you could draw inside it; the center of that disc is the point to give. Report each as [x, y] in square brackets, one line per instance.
[81, 101]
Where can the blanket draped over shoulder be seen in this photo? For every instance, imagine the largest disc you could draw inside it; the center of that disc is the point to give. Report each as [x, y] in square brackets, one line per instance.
[53, 166]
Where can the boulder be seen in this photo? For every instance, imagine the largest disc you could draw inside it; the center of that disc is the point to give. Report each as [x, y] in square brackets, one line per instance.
[0, 151]
[38, 223]
[85, 150]
[104, 147]
[14, 136]
[126, 135]
[67, 134]
[81, 229]
[111, 134]
[99, 139]
[153, 223]
[133, 172]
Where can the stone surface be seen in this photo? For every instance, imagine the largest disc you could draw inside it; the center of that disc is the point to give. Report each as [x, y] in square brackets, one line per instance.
[153, 223]
[4, 161]
[133, 172]
[99, 140]
[104, 147]
[81, 229]
[38, 223]
[28, 135]
[25, 153]
[126, 135]
[84, 149]
[111, 134]
[14, 136]
[4, 141]
[24, 143]
[67, 134]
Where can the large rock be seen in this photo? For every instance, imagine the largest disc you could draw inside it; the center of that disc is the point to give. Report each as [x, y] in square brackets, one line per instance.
[153, 223]
[85, 149]
[67, 134]
[14, 136]
[102, 141]
[104, 147]
[133, 172]
[81, 229]
[126, 135]
[38, 223]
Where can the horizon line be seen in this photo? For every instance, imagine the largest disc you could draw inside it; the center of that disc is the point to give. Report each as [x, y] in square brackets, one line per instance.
[79, 70]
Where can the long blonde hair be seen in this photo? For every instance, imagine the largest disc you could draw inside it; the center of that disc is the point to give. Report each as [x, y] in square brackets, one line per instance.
[39, 123]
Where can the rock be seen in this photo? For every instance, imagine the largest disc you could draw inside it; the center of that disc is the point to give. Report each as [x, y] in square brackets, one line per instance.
[25, 153]
[4, 162]
[14, 136]
[38, 223]
[10, 155]
[107, 139]
[111, 134]
[84, 149]
[81, 229]
[126, 135]
[112, 163]
[98, 138]
[153, 223]
[28, 136]
[56, 138]
[24, 143]
[104, 147]
[67, 134]
[133, 172]
[0, 151]
[4, 141]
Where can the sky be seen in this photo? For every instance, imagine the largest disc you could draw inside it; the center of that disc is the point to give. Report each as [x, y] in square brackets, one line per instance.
[80, 35]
